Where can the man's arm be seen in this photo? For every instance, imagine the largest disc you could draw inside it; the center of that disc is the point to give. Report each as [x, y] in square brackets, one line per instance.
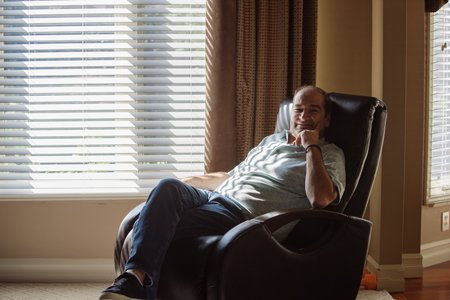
[208, 181]
[319, 187]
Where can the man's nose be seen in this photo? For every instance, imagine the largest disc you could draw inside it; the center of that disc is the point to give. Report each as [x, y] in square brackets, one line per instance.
[305, 115]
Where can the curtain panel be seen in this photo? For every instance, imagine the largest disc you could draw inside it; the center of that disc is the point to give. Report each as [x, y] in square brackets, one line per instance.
[258, 53]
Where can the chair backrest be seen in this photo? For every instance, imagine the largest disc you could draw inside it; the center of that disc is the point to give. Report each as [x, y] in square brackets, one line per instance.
[357, 127]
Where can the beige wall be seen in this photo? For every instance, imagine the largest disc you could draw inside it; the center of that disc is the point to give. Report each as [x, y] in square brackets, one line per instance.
[431, 224]
[344, 46]
[62, 229]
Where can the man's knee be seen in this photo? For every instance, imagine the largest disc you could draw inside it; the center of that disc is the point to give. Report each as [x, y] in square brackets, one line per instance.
[176, 194]
[170, 185]
[168, 190]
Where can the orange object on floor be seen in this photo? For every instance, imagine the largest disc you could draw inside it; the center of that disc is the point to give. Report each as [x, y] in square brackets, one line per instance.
[369, 280]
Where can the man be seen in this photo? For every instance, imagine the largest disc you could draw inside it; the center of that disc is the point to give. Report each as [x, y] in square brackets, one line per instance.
[292, 169]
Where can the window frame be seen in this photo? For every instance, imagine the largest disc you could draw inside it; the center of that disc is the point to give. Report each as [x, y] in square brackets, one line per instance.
[430, 200]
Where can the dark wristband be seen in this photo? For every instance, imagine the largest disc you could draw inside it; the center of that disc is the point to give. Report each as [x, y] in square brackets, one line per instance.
[313, 146]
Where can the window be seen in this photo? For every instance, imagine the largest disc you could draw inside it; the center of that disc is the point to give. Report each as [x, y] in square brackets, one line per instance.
[100, 97]
[439, 108]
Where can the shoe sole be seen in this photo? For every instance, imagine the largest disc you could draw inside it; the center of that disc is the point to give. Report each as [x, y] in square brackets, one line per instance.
[114, 296]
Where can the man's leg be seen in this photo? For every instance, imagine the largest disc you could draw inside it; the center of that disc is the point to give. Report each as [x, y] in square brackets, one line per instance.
[153, 232]
[208, 219]
[157, 223]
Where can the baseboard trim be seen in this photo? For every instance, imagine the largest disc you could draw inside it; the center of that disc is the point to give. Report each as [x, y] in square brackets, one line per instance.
[56, 270]
[435, 253]
[389, 277]
[412, 265]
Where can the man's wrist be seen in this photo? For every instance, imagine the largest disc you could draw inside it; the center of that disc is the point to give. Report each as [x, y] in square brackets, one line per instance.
[311, 146]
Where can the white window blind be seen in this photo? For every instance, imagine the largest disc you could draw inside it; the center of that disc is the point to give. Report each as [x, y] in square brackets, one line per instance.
[439, 108]
[100, 97]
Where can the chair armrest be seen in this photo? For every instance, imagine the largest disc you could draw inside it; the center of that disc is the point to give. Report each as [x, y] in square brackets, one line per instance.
[332, 256]
[277, 219]
[124, 229]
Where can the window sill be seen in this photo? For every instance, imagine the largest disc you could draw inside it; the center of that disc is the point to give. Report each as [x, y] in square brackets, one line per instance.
[85, 197]
[437, 202]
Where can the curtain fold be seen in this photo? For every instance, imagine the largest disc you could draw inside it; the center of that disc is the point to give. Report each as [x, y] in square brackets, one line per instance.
[258, 52]
[220, 131]
[434, 5]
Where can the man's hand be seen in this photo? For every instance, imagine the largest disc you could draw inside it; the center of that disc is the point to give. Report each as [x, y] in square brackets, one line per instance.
[307, 137]
[208, 181]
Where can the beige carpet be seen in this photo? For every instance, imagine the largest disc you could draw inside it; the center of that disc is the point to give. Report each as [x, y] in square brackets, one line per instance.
[89, 291]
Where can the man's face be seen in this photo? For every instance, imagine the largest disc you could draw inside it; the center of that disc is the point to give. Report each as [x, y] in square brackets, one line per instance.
[308, 112]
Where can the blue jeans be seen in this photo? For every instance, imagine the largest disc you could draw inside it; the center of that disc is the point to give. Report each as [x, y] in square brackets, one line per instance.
[177, 210]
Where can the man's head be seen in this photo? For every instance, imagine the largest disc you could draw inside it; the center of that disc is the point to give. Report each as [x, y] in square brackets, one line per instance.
[310, 110]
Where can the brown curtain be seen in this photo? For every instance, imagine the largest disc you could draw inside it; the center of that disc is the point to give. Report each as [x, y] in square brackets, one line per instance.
[434, 5]
[258, 52]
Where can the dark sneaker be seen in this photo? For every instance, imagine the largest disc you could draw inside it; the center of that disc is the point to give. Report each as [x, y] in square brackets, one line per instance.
[124, 287]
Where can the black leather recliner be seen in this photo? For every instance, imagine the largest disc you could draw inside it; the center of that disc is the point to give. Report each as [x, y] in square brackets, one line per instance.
[322, 257]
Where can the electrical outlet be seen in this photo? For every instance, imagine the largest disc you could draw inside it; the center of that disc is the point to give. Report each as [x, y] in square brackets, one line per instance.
[445, 224]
